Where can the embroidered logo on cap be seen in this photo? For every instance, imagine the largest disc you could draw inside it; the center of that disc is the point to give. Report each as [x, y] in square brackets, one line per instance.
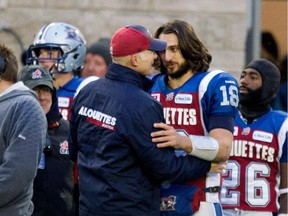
[37, 74]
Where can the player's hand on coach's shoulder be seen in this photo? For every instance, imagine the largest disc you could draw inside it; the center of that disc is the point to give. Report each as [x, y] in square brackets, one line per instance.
[167, 136]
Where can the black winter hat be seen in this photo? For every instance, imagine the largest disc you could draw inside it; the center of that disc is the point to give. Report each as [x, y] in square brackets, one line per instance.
[102, 48]
[270, 75]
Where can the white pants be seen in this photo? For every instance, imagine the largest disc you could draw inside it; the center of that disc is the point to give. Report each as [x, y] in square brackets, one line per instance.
[238, 212]
[209, 209]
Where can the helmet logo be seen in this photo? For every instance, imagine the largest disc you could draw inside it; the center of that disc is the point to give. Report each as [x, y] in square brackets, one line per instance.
[72, 34]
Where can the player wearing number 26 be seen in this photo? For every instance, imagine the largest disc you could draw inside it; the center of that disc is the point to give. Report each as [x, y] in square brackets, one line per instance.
[256, 174]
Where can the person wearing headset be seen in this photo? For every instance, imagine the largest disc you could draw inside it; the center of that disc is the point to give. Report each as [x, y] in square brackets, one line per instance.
[23, 129]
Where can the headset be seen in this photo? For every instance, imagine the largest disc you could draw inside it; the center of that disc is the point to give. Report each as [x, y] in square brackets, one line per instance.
[2, 65]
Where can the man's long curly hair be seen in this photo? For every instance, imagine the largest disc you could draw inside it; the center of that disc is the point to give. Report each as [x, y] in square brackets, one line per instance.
[192, 49]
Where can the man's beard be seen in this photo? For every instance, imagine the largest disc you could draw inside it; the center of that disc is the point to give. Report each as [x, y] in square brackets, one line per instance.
[251, 98]
[180, 72]
[252, 104]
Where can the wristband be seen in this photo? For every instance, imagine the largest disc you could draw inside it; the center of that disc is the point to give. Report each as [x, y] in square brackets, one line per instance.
[204, 147]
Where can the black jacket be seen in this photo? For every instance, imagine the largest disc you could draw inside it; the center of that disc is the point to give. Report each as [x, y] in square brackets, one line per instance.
[120, 168]
[53, 185]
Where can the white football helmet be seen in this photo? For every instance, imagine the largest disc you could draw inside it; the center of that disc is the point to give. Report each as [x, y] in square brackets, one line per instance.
[64, 37]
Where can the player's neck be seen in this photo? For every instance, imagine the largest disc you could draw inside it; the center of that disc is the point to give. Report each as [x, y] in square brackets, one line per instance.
[174, 83]
[62, 78]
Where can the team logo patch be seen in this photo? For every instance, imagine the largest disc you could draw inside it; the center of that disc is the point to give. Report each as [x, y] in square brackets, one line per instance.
[168, 203]
[64, 148]
[246, 131]
[37, 74]
[72, 34]
[183, 99]
[170, 96]
[262, 136]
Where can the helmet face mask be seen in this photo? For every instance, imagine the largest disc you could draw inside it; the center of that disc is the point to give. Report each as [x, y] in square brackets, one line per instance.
[65, 38]
[35, 55]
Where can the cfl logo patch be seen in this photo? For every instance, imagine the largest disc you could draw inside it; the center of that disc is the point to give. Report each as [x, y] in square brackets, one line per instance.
[64, 148]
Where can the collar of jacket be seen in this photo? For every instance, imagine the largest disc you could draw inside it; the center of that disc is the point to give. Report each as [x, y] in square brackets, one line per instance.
[53, 115]
[125, 74]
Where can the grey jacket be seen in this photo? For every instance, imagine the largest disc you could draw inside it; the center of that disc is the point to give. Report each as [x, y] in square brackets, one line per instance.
[23, 129]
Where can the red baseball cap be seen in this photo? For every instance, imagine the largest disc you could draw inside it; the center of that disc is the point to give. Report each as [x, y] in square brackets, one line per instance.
[133, 39]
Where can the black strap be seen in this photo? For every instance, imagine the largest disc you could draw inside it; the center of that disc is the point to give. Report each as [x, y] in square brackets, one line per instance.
[214, 189]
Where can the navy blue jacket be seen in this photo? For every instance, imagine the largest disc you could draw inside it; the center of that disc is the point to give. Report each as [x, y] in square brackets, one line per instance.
[120, 168]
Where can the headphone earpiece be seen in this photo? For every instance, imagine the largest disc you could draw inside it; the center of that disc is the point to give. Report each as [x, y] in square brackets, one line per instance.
[2, 65]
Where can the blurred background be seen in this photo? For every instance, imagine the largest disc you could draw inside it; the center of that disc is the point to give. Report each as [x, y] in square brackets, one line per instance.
[232, 30]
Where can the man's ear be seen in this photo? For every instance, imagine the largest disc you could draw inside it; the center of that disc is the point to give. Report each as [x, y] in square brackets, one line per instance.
[134, 59]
